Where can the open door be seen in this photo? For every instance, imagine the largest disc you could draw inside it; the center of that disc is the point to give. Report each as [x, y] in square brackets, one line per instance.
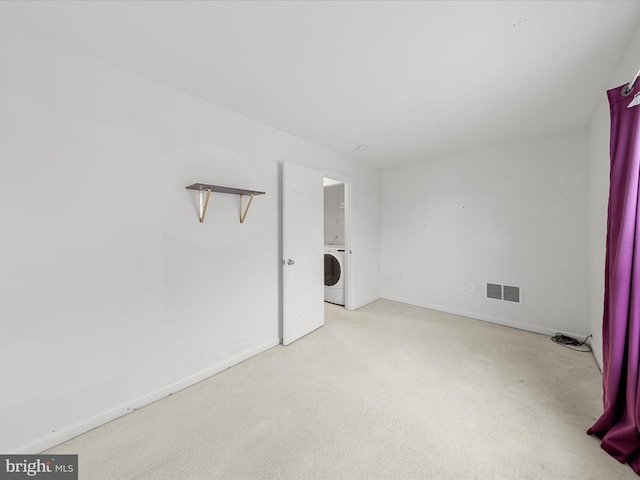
[303, 259]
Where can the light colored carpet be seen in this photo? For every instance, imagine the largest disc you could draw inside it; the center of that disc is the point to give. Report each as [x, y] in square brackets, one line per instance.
[388, 391]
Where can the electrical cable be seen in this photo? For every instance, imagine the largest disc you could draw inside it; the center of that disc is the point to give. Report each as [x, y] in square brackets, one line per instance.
[570, 342]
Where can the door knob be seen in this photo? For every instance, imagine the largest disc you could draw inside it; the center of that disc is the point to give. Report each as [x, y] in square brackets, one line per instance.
[290, 262]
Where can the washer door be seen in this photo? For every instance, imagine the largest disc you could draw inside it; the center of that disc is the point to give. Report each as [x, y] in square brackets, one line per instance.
[332, 270]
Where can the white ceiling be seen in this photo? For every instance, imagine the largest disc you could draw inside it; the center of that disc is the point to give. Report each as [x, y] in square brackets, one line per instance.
[411, 80]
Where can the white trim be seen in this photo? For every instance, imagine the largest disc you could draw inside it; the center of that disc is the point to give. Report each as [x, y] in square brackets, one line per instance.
[348, 246]
[597, 355]
[51, 440]
[367, 302]
[488, 318]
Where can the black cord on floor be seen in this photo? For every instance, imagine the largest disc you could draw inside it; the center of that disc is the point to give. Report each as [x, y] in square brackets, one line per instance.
[570, 342]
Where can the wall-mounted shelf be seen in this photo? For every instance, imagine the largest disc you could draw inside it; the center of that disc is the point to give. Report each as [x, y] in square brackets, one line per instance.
[204, 202]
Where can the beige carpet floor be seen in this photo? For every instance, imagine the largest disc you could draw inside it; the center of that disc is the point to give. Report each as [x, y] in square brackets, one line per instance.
[388, 391]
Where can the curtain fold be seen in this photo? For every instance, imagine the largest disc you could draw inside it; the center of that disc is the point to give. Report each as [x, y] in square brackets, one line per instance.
[619, 425]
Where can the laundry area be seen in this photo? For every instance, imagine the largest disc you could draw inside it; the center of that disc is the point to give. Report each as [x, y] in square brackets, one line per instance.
[334, 241]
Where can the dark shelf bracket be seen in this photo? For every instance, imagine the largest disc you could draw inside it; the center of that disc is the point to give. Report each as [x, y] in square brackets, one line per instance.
[204, 201]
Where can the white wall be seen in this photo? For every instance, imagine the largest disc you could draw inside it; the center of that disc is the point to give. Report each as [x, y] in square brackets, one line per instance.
[112, 293]
[514, 214]
[599, 160]
[334, 227]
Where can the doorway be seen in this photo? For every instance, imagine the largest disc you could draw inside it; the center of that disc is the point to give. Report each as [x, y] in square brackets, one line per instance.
[302, 230]
[337, 264]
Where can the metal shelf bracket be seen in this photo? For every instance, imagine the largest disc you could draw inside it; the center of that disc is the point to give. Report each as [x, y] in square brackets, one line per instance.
[204, 200]
[203, 206]
[244, 214]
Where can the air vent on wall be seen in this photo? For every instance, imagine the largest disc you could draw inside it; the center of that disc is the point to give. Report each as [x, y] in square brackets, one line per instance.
[506, 293]
[494, 291]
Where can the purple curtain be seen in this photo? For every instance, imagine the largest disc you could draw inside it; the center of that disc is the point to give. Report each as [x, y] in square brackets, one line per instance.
[619, 425]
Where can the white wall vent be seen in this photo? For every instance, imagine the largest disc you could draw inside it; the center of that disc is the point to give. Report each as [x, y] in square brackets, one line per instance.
[506, 293]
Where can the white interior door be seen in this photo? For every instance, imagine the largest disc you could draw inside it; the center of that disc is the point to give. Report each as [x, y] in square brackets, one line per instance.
[303, 259]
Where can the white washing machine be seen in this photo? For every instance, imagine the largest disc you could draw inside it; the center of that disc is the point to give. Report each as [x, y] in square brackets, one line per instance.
[334, 274]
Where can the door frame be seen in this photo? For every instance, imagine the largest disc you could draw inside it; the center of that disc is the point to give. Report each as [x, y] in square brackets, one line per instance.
[348, 237]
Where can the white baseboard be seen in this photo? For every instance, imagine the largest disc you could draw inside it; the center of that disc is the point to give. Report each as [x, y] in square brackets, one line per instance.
[75, 429]
[366, 302]
[487, 318]
[597, 353]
